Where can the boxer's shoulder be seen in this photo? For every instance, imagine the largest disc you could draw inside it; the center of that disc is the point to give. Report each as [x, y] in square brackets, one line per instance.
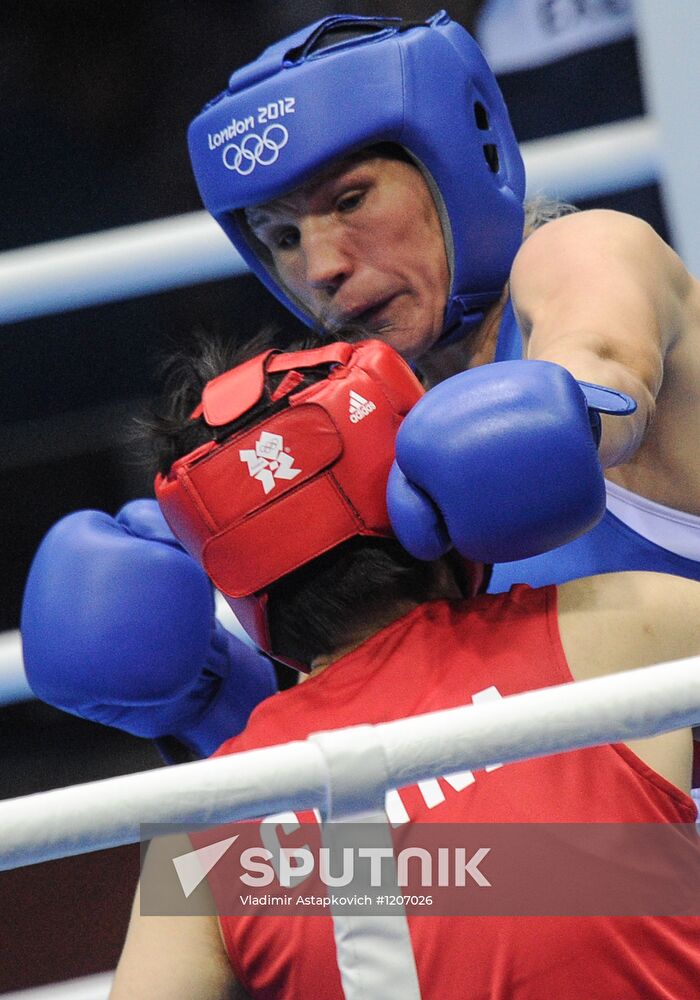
[620, 621]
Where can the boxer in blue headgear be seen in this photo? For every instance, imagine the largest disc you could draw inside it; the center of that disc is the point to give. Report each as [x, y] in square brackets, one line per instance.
[348, 83]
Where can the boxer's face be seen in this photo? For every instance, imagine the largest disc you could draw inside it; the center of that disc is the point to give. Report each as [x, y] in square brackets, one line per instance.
[362, 242]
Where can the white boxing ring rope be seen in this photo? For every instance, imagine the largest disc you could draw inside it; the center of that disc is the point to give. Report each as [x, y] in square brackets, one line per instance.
[303, 774]
[86, 988]
[342, 773]
[13, 682]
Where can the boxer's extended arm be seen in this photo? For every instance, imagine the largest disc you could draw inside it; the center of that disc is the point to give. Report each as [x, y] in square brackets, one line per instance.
[173, 958]
[601, 294]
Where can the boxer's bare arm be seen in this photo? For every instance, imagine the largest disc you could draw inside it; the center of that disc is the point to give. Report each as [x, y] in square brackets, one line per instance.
[601, 294]
[173, 958]
[621, 621]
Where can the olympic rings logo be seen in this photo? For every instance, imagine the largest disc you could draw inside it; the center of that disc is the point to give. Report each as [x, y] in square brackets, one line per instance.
[255, 149]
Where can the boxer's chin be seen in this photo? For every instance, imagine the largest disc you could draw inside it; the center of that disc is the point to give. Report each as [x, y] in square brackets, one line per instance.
[412, 336]
[410, 343]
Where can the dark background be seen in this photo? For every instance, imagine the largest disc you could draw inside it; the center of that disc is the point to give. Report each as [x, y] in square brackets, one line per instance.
[95, 106]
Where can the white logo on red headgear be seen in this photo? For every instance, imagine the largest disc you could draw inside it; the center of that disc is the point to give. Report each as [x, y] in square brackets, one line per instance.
[359, 407]
[269, 461]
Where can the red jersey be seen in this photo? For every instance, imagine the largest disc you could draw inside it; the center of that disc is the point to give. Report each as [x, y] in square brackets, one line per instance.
[442, 655]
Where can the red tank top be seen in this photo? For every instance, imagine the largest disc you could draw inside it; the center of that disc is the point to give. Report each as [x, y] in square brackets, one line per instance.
[442, 655]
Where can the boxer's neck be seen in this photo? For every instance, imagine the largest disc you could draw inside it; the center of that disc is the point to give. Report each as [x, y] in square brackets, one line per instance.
[477, 348]
[445, 587]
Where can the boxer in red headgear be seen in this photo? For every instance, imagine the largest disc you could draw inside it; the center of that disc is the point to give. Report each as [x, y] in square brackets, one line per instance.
[280, 496]
[300, 449]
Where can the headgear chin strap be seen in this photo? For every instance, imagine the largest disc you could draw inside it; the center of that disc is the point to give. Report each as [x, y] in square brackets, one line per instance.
[309, 471]
[346, 83]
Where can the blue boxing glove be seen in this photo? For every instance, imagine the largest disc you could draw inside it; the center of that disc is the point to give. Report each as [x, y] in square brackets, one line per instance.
[501, 462]
[118, 627]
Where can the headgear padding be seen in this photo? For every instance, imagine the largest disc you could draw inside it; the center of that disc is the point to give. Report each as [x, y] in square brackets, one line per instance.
[305, 471]
[346, 83]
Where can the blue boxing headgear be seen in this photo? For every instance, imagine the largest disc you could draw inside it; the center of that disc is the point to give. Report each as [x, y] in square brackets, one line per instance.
[346, 83]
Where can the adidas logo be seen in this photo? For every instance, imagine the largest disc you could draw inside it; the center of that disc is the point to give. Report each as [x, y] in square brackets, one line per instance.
[359, 407]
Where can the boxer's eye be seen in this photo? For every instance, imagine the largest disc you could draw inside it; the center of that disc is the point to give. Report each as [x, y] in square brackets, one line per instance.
[349, 201]
[286, 239]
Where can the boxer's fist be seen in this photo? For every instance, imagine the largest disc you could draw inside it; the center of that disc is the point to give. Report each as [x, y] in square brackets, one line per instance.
[118, 627]
[500, 462]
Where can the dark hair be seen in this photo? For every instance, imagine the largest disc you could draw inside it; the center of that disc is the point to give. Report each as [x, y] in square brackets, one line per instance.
[332, 600]
[167, 430]
[342, 595]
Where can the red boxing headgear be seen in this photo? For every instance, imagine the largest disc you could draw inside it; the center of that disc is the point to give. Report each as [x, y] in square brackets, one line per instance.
[309, 473]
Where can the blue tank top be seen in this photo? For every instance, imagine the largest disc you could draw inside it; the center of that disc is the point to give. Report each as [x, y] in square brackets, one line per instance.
[609, 547]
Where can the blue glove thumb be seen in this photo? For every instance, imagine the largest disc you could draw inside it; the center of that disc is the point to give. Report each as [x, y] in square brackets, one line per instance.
[418, 523]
